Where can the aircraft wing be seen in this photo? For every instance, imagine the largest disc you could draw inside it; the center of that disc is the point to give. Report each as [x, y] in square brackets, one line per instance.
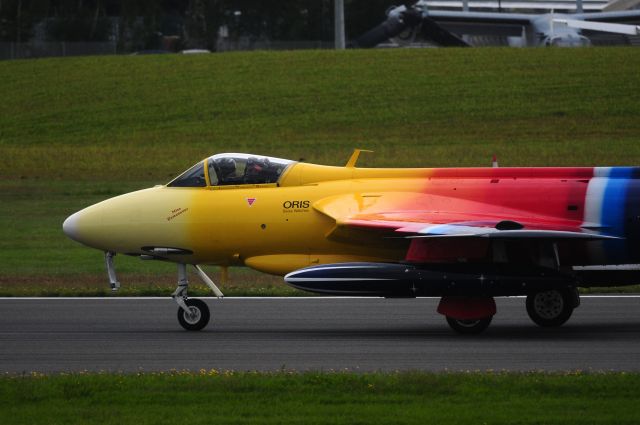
[623, 16]
[620, 5]
[511, 24]
[403, 214]
[610, 22]
[544, 5]
[601, 26]
[482, 23]
[487, 227]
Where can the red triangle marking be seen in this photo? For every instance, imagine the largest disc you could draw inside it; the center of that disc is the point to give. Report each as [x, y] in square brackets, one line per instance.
[250, 201]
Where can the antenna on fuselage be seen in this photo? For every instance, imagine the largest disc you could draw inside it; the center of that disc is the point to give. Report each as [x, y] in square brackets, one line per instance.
[494, 162]
[354, 157]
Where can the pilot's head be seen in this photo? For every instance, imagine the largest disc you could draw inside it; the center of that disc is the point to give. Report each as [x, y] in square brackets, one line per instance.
[227, 166]
[253, 164]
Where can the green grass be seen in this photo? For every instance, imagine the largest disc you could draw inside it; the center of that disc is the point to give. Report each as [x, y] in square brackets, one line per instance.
[310, 398]
[74, 131]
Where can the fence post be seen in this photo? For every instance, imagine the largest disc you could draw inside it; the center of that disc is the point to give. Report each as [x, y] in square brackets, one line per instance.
[338, 23]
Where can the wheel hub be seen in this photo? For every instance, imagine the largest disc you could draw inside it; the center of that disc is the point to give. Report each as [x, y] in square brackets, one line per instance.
[549, 305]
[192, 316]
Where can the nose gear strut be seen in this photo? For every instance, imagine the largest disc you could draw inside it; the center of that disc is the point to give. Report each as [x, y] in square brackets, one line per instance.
[208, 281]
[193, 314]
[180, 294]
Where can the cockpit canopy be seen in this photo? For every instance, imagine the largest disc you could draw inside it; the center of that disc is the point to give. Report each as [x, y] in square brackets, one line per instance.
[232, 169]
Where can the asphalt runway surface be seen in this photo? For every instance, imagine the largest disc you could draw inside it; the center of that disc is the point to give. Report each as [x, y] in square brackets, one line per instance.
[53, 335]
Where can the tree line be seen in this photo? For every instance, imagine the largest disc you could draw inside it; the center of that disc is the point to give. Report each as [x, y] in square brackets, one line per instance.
[142, 24]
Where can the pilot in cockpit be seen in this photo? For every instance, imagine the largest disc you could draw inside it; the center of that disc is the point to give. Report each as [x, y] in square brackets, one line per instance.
[257, 170]
[227, 170]
[239, 169]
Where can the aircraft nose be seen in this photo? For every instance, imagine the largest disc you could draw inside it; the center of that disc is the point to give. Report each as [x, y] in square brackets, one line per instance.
[84, 227]
[129, 222]
[107, 225]
[70, 226]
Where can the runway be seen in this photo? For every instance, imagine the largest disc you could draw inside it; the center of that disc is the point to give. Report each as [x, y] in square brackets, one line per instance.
[53, 335]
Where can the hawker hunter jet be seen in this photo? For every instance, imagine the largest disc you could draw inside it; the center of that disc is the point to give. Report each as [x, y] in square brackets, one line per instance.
[466, 235]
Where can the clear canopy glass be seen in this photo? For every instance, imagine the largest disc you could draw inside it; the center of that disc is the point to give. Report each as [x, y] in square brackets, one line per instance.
[233, 169]
[193, 177]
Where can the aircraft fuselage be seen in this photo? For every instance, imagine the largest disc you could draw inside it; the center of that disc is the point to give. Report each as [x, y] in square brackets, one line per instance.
[465, 234]
[281, 228]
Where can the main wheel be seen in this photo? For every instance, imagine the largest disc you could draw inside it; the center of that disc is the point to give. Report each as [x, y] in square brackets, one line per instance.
[197, 317]
[473, 326]
[550, 308]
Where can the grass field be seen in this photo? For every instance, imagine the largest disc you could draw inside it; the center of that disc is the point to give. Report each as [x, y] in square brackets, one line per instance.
[310, 398]
[74, 131]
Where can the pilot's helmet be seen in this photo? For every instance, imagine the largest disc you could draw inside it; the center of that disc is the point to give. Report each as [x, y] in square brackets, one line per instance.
[227, 166]
[254, 165]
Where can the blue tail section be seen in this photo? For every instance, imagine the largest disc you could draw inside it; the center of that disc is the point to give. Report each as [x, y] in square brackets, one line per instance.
[621, 214]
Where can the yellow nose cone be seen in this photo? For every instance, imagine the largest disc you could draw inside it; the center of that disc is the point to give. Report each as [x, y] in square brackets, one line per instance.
[70, 227]
[85, 227]
[133, 222]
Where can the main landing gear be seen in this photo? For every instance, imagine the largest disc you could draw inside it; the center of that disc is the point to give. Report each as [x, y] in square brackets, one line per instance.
[552, 308]
[468, 315]
[193, 314]
[469, 326]
[472, 315]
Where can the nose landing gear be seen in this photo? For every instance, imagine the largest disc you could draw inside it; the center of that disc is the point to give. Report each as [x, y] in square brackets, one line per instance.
[196, 316]
[193, 314]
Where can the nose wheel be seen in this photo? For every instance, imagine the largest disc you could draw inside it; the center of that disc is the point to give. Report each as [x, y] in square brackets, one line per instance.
[196, 316]
[193, 314]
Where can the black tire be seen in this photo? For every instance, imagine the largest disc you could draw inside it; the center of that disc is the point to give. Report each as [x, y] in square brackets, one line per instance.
[200, 316]
[550, 308]
[469, 327]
